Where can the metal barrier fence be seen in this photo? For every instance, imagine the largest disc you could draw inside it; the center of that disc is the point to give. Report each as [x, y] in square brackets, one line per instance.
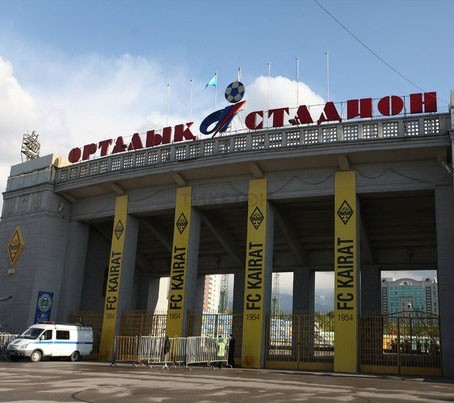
[403, 343]
[161, 350]
[126, 349]
[187, 351]
[215, 325]
[206, 350]
[301, 341]
[5, 338]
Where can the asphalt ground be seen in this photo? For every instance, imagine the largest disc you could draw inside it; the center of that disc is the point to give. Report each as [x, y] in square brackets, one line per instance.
[60, 381]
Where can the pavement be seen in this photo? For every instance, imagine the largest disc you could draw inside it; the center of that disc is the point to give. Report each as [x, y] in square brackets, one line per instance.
[84, 381]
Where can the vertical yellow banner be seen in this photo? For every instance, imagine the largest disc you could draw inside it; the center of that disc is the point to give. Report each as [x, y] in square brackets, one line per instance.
[254, 289]
[113, 279]
[175, 312]
[345, 273]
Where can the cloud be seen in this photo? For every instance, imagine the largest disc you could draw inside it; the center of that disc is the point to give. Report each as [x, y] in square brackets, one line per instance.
[17, 108]
[277, 92]
[72, 101]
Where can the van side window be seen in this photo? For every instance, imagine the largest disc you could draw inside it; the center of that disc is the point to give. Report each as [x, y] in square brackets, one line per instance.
[47, 335]
[62, 334]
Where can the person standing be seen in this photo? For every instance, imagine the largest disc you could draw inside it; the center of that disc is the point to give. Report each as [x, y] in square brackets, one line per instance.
[231, 356]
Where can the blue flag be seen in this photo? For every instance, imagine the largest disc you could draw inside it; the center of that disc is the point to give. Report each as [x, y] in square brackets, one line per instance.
[213, 81]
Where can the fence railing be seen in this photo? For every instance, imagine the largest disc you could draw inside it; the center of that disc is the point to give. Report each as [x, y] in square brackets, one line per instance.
[274, 140]
[149, 350]
[143, 324]
[300, 338]
[406, 341]
[5, 338]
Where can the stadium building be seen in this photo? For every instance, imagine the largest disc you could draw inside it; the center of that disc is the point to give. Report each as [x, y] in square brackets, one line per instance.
[355, 188]
[407, 294]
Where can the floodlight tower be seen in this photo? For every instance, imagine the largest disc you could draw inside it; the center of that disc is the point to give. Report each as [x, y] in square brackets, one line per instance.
[275, 295]
[30, 145]
[223, 294]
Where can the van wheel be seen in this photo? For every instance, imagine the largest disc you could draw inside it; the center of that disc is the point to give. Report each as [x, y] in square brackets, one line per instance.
[36, 356]
[74, 356]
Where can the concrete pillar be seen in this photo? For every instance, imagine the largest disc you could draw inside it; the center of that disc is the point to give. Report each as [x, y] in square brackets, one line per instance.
[76, 253]
[195, 325]
[370, 290]
[303, 318]
[146, 288]
[444, 214]
[303, 291]
[94, 273]
[192, 267]
[346, 268]
[237, 317]
[184, 270]
[129, 264]
[198, 300]
[258, 275]
[153, 293]
[120, 276]
[238, 293]
[371, 321]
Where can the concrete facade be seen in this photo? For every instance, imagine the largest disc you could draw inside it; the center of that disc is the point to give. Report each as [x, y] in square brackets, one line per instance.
[405, 197]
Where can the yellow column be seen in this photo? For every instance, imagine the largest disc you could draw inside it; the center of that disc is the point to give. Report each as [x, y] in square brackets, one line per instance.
[254, 285]
[345, 272]
[113, 279]
[175, 312]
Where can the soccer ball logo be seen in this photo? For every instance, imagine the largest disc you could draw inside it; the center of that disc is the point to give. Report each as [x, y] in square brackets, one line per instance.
[234, 92]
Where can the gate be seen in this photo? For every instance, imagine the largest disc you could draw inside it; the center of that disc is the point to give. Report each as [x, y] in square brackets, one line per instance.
[406, 343]
[301, 341]
[143, 324]
[93, 319]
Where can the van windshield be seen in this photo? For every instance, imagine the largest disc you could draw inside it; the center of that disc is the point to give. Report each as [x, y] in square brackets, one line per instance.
[32, 333]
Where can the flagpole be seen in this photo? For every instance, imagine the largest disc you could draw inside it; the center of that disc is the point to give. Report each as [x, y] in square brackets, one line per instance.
[238, 74]
[268, 89]
[297, 80]
[216, 88]
[327, 73]
[190, 110]
[168, 103]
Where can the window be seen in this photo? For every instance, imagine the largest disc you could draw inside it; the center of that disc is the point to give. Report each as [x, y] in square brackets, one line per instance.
[47, 335]
[62, 334]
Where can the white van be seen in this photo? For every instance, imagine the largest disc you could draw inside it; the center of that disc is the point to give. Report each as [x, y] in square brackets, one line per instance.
[52, 340]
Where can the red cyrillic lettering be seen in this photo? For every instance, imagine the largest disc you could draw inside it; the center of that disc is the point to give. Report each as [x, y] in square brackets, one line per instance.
[361, 108]
[329, 114]
[278, 116]
[182, 133]
[390, 106]
[74, 155]
[136, 142]
[304, 116]
[429, 102]
[153, 139]
[251, 121]
[89, 149]
[166, 135]
[104, 146]
[120, 146]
